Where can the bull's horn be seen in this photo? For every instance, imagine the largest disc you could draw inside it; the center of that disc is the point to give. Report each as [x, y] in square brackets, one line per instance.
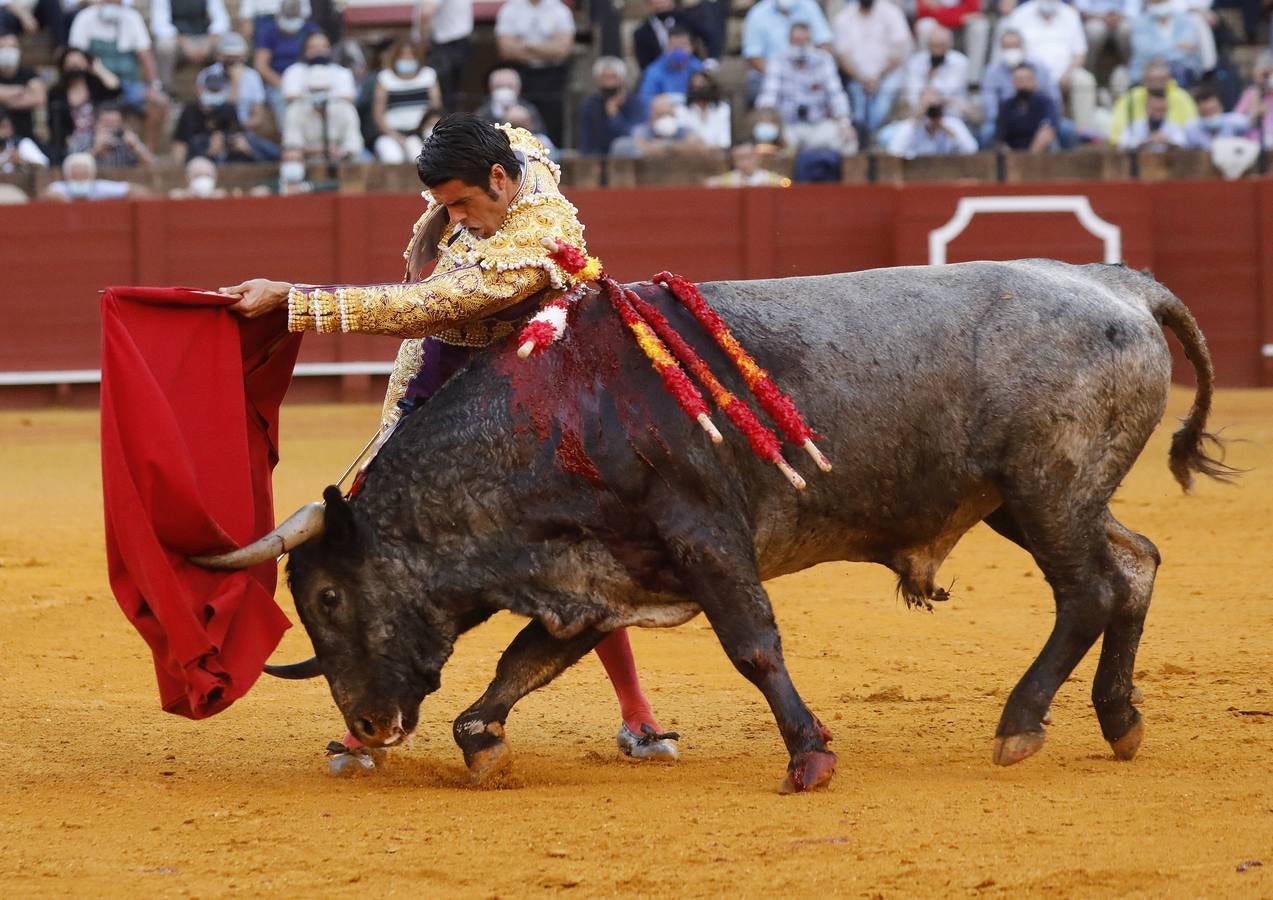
[307, 669]
[299, 527]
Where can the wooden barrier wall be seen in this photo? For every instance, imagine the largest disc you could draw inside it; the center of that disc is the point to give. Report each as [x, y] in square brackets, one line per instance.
[1211, 242]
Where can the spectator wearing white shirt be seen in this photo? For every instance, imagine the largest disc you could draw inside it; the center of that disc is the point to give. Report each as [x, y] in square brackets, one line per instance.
[449, 26]
[320, 117]
[80, 182]
[940, 68]
[931, 131]
[705, 113]
[405, 92]
[1152, 131]
[18, 153]
[1108, 23]
[872, 43]
[185, 31]
[537, 37]
[117, 35]
[1054, 36]
[803, 85]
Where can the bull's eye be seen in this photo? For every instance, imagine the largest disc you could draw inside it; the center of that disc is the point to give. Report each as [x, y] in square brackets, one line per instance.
[328, 597]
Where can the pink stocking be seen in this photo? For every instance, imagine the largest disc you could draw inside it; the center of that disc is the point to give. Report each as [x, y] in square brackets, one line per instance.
[616, 655]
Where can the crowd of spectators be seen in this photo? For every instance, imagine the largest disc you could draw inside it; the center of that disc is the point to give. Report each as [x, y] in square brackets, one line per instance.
[206, 85]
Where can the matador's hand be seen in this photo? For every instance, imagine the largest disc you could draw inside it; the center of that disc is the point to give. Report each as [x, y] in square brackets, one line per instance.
[258, 296]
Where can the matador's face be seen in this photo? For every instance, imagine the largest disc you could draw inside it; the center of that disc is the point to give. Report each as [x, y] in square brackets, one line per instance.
[480, 210]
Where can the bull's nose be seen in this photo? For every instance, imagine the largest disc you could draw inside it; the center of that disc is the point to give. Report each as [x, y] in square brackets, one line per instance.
[379, 730]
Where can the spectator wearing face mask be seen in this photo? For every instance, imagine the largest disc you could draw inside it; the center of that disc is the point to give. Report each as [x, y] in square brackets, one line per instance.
[1028, 120]
[320, 118]
[872, 44]
[21, 88]
[17, 152]
[1162, 33]
[1256, 102]
[997, 84]
[279, 42]
[246, 87]
[1054, 37]
[611, 112]
[254, 14]
[931, 131]
[505, 87]
[186, 32]
[1181, 109]
[661, 134]
[1153, 131]
[767, 29]
[209, 127]
[966, 23]
[670, 73]
[83, 85]
[80, 182]
[940, 69]
[766, 132]
[405, 91]
[705, 113]
[803, 85]
[115, 145]
[293, 178]
[1213, 122]
[117, 35]
[201, 181]
[747, 171]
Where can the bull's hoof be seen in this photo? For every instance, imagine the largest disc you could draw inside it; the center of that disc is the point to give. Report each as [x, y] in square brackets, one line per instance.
[808, 771]
[651, 745]
[1016, 747]
[1125, 747]
[487, 763]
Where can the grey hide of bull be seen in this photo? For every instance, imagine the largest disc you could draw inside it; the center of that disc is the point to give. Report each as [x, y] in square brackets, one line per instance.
[1018, 393]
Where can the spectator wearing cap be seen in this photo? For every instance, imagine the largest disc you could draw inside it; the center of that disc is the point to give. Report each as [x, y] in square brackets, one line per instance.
[803, 85]
[931, 131]
[670, 73]
[611, 111]
[941, 69]
[872, 44]
[83, 84]
[505, 87]
[16, 151]
[115, 145]
[1160, 32]
[21, 88]
[650, 39]
[1054, 37]
[247, 88]
[997, 85]
[279, 42]
[767, 33]
[80, 182]
[210, 127]
[1213, 122]
[186, 32]
[1153, 131]
[321, 118]
[1028, 120]
[449, 25]
[966, 23]
[1256, 102]
[1181, 109]
[537, 38]
[405, 91]
[117, 35]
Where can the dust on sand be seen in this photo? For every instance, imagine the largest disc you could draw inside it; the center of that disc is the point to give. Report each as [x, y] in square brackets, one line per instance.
[106, 795]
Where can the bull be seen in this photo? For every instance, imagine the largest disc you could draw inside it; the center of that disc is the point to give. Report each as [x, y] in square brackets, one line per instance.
[569, 489]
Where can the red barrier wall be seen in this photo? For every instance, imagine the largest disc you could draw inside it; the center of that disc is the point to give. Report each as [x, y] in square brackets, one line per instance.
[1208, 241]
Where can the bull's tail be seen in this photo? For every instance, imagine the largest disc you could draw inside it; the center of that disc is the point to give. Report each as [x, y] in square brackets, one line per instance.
[1190, 444]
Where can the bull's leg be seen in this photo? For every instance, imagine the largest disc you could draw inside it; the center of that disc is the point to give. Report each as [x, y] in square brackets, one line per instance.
[533, 659]
[1113, 693]
[738, 609]
[1076, 559]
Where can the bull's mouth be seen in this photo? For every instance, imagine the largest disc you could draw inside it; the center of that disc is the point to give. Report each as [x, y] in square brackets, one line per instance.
[384, 730]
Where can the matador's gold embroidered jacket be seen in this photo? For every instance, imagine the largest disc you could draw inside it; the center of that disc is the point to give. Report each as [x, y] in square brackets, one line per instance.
[473, 280]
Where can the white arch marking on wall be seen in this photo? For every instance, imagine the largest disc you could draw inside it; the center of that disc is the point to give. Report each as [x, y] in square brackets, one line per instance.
[1109, 233]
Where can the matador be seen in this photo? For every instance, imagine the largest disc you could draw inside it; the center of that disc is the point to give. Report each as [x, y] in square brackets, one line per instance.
[477, 270]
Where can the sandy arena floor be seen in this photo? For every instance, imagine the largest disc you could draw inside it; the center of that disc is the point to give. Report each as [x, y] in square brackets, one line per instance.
[107, 795]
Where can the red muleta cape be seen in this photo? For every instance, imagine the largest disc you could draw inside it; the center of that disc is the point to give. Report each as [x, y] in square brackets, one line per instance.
[190, 399]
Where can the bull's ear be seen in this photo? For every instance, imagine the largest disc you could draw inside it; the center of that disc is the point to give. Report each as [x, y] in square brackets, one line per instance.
[338, 519]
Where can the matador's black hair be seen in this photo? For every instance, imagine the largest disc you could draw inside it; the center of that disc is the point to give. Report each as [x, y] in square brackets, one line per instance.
[464, 147]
